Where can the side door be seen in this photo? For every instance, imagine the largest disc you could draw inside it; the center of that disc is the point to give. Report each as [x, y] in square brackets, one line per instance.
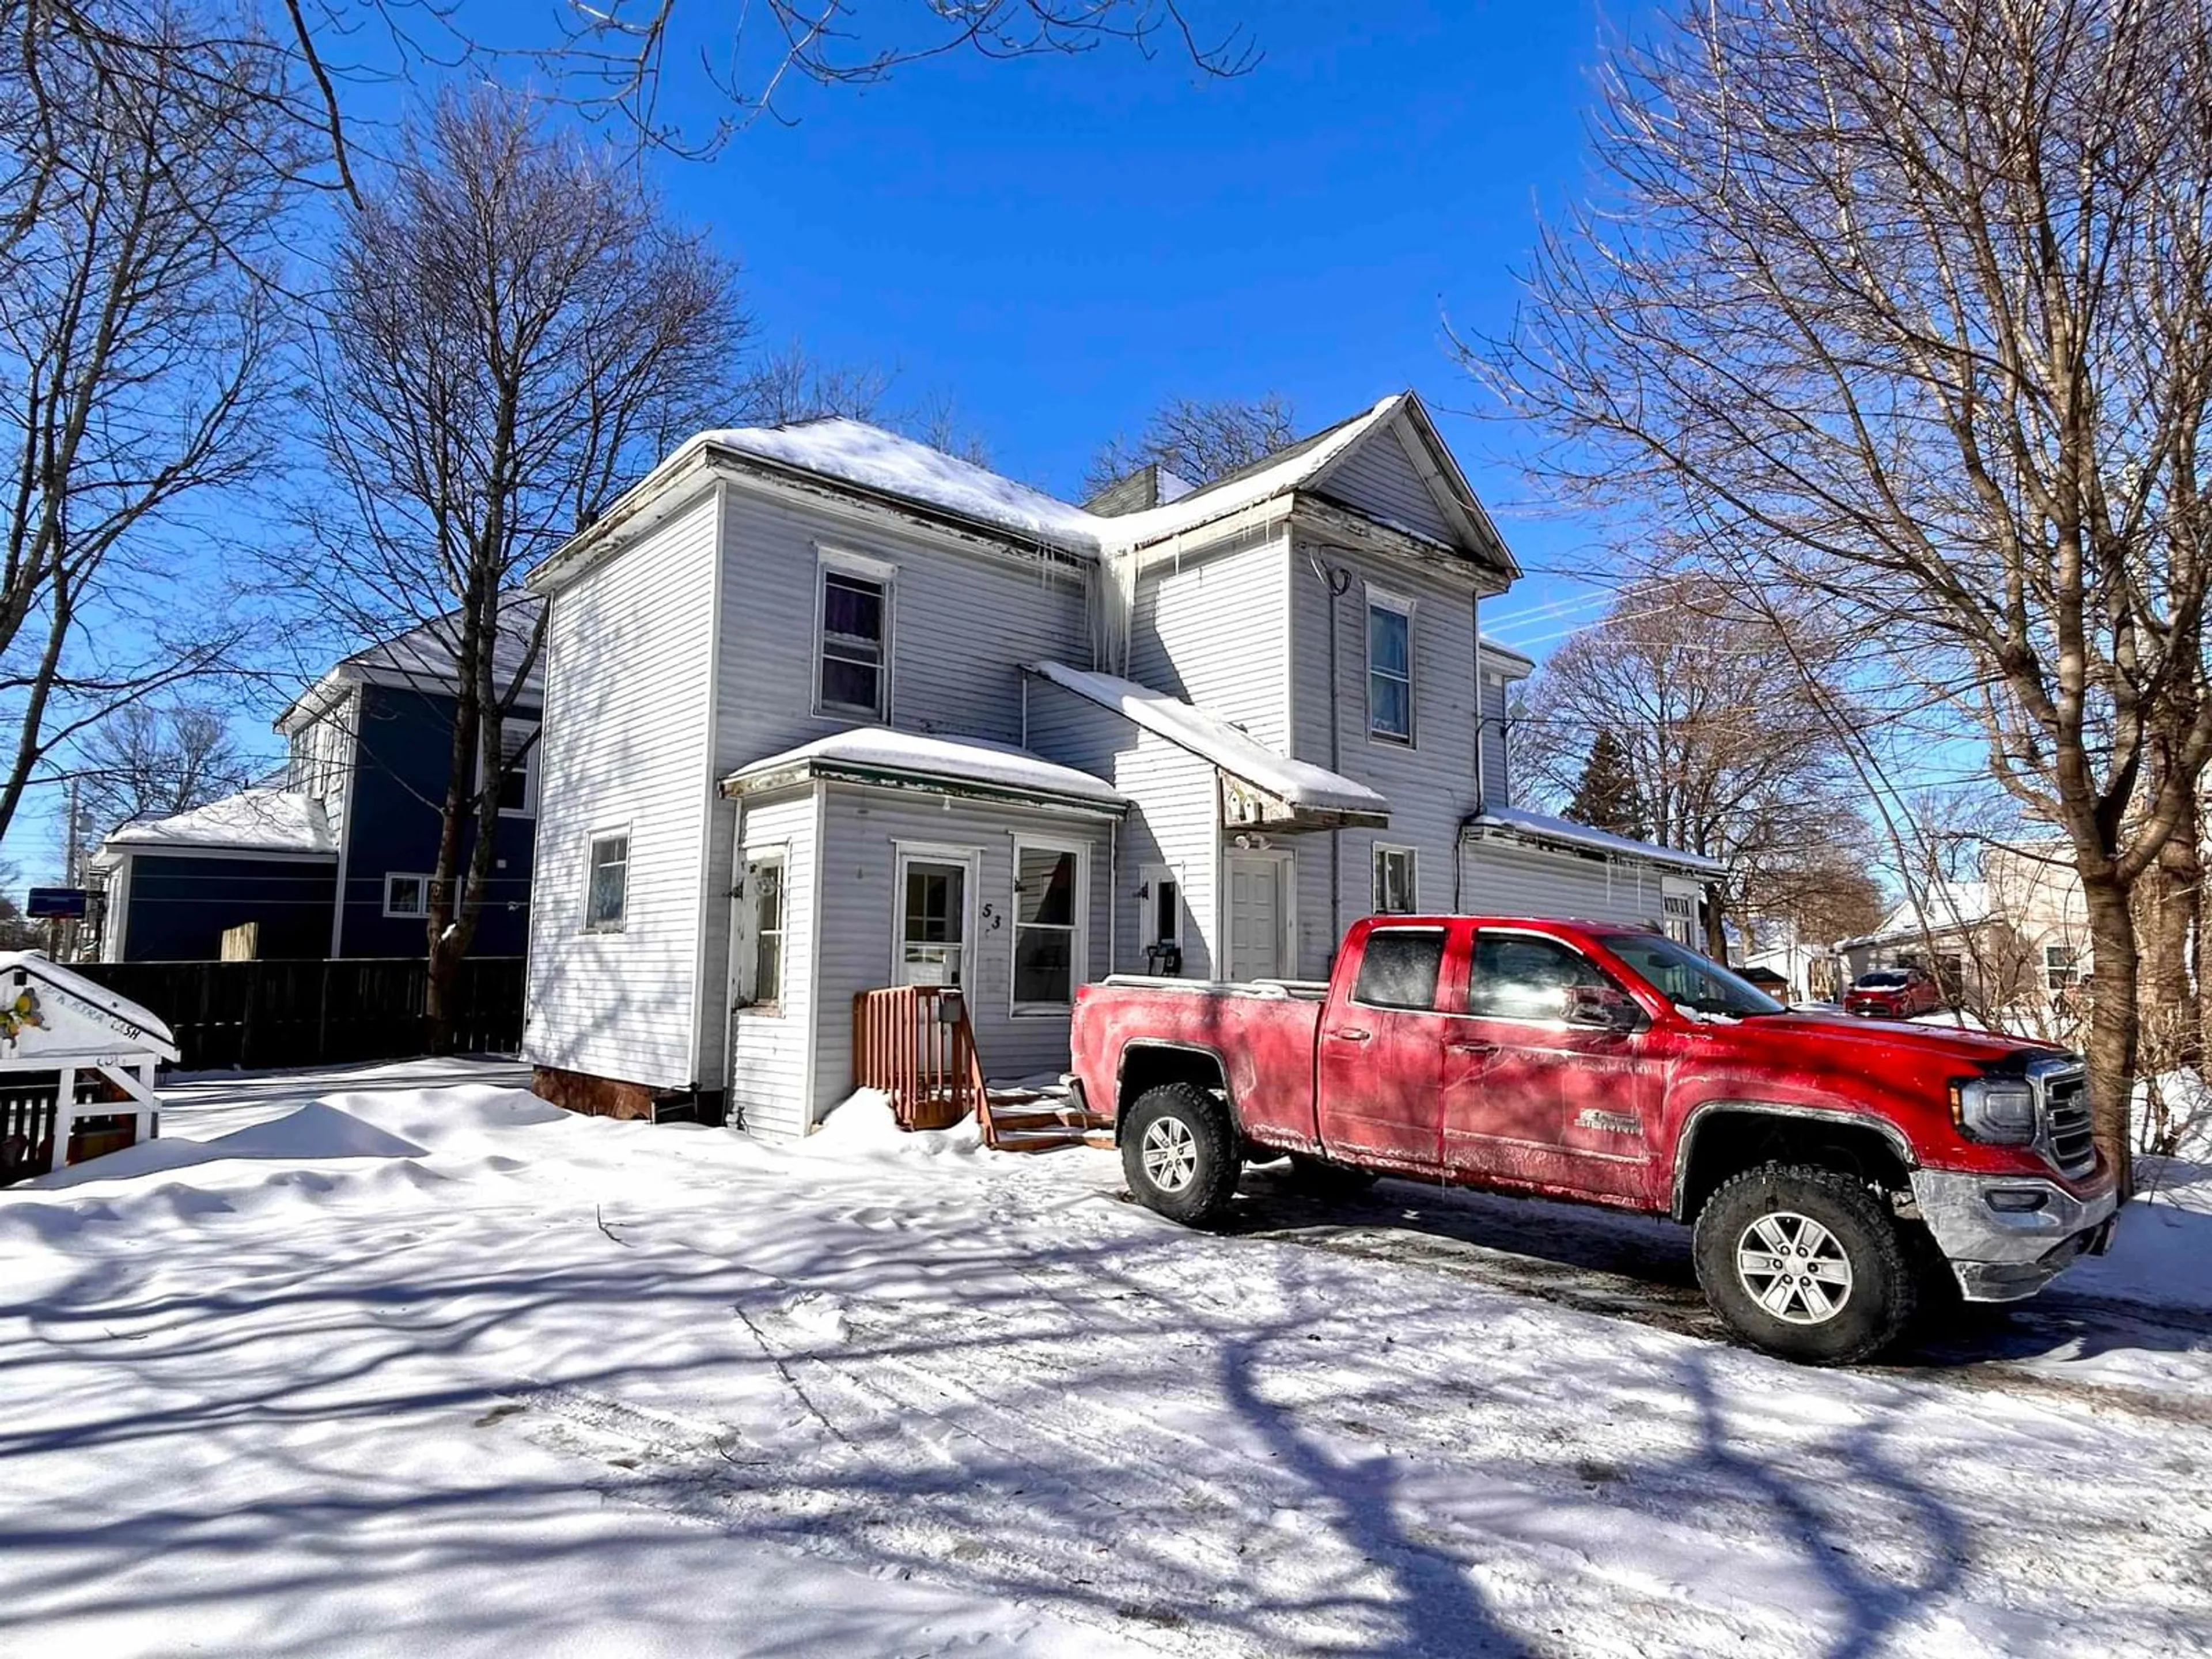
[1545, 1083]
[1379, 1059]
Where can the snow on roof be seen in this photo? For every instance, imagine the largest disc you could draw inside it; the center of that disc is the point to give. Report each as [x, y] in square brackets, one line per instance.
[426, 652]
[996, 767]
[1296, 783]
[1946, 907]
[884, 461]
[1285, 470]
[254, 820]
[1543, 825]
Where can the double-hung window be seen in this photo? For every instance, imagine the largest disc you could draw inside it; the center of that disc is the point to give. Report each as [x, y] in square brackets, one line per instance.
[854, 674]
[1048, 924]
[518, 768]
[1389, 668]
[606, 883]
[1395, 891]
[2061, 966]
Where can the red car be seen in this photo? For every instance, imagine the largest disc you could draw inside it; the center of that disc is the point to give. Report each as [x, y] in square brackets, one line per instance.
[1893, 993]
[1829, 1169]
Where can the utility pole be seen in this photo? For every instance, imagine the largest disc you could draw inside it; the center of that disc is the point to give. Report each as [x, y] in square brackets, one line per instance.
[69, 872]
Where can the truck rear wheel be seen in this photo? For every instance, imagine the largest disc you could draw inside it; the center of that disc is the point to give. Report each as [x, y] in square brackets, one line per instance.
[1180, 1153]
[1806, 1263]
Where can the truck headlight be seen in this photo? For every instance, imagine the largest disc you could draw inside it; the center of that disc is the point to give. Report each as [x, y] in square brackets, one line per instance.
[2000, 1111]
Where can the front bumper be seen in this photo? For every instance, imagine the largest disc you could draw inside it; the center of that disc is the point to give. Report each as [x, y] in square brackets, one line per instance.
[2004, 1254]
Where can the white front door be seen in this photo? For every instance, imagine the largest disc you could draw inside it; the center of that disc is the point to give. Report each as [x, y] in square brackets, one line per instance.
[1255, 917]
[936, 897]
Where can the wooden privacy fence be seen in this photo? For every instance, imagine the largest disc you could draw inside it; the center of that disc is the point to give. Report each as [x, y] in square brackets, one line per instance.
[317, 1013]
[913, 1042]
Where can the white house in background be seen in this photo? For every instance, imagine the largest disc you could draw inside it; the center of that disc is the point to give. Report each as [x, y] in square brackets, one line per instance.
[829, 711]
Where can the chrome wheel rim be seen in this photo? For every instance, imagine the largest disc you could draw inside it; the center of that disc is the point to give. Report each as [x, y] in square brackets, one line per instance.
[1793, 1268]
[1169, 1154]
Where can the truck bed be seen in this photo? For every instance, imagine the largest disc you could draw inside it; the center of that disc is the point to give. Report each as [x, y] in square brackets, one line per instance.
[1262, 1031]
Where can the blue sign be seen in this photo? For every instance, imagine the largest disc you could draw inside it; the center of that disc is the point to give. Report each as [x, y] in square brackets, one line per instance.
[66, 903]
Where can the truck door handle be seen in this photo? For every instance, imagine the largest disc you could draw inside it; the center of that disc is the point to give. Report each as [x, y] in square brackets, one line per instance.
[1471, 1048]
[1352, 1034]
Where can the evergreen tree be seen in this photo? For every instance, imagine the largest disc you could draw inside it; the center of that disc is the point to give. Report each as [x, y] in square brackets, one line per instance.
[1606, 797]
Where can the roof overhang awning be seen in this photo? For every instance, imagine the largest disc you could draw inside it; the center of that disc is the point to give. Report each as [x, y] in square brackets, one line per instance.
[934, 766]
[1537, 830]
[1249, 805]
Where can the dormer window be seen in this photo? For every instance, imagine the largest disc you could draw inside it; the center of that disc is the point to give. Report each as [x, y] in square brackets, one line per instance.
[854, 656]
[1389, 668]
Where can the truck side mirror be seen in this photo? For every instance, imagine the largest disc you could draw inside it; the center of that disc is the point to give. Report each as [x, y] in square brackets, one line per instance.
[1601, 1007]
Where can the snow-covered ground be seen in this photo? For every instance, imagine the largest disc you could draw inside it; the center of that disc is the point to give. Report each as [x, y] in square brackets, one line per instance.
[384, 1362]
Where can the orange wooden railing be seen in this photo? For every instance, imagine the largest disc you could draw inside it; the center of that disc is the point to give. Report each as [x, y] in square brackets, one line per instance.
[913, 1042]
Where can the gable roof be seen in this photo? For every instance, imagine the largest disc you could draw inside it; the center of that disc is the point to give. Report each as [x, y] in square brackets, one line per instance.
[252, 821]
[423, 659]
[882, 466]
[1299, 784]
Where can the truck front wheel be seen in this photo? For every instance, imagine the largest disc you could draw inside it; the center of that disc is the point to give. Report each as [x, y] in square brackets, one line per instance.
[1806, 1263]
[1180, 1155]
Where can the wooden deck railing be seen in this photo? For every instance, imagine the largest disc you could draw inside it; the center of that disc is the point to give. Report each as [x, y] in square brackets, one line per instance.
[913, 1042]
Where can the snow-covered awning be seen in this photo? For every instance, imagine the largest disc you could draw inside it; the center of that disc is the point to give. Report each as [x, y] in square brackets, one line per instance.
[1275, 790]
[951, 766]
[1540, 827]
[275, 821]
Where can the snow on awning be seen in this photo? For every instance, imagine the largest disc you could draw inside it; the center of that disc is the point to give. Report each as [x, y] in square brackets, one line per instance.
[69, 1017]
[952, 766]
[1565, 832]
[252, 821]
[1274, 789]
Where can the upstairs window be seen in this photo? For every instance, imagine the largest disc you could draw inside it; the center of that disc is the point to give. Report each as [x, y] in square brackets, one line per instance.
[2061, 967]
[606, 883]
[855, 630]
[1389, 669]
[1395, 893]
[518, 774]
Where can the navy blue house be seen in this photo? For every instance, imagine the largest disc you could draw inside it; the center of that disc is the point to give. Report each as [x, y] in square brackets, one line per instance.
[334, 858]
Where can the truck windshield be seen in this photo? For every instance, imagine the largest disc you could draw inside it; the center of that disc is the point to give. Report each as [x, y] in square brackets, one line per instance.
[1688, 979]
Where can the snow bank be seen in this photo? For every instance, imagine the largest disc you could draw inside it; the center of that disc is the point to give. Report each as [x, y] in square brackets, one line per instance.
[313, 1133]
[863, 1125]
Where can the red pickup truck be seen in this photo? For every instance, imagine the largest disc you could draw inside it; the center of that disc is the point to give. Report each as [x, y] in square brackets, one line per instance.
[1833, 1170]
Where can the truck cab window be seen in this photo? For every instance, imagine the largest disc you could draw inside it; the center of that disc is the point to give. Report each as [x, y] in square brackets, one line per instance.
[1400, 968]
[1521, 976]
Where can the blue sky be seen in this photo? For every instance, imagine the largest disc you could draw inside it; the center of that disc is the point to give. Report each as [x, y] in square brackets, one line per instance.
[1057, 246]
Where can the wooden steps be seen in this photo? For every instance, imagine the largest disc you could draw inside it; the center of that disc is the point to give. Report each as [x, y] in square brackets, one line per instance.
[1038, 1121]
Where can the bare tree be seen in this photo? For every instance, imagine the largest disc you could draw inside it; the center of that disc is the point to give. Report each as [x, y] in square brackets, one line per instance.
[153, 761]
[515, 333]
[1917, 294]
[1198, 441]
[1701, 702]
[790, 385]
[137, 331]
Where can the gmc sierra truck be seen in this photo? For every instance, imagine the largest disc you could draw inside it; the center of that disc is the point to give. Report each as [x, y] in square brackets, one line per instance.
[1835, 1172]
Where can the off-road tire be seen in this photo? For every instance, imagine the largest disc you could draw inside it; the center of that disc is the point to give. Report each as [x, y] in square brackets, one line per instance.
[1323, 1179]
[1184, 1119]
[1884, 1285]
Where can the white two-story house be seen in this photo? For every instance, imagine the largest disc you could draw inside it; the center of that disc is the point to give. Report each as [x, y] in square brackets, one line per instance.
[829, 711]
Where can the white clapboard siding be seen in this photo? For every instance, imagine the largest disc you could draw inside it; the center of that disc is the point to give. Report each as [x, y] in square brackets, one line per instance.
[768, 1082]
[1212, 628]
[862, 829]
[1431, 787]
[1502, 878]
[1174, 819]
[1379, 479]
[962, 623]
[624, 746]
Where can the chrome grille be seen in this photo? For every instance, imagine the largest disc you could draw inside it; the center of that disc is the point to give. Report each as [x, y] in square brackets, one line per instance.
[2066, 1132]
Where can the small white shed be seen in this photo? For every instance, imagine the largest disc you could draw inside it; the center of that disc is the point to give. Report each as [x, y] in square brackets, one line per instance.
[70, 1049]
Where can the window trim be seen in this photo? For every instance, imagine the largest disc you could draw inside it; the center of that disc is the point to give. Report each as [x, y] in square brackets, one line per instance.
[1078, 931]
[2071, 970]
[391, 876]
[1380, 850]
[1443, 961]
[777, 854]
[904, 853]
[593, 838]
[1380, 598]
[529, 807]
[854, 567]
